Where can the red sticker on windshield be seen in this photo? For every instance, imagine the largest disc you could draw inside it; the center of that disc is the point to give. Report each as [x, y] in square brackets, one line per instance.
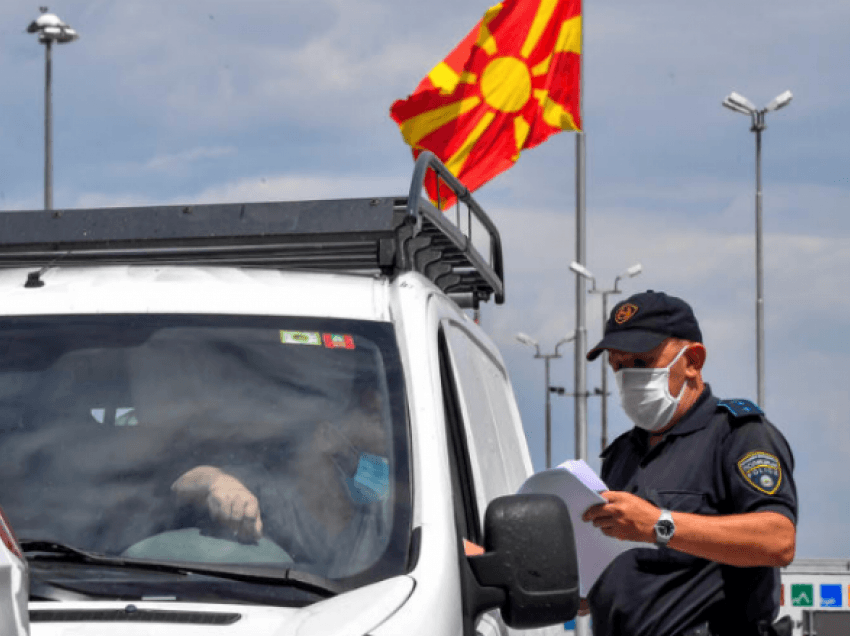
[338, 341]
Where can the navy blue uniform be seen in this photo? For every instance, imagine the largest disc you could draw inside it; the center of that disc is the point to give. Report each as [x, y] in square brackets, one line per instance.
[721, 458]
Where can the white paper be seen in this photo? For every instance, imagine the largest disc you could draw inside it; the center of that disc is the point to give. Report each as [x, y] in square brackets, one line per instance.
[585, 473]
[579, 486]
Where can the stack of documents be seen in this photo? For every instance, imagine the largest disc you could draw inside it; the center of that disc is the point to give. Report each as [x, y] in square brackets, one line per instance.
[576, 483]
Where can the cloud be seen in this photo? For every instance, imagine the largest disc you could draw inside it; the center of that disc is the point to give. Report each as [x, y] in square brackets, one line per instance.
[272, 188]
[295, 187]
[180, 160]
[233, 66]
[102, 200]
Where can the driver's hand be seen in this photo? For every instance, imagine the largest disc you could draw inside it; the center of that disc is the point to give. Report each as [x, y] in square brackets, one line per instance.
[226, 498]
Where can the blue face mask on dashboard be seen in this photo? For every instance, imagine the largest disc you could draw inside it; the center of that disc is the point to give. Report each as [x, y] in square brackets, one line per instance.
[371, 481]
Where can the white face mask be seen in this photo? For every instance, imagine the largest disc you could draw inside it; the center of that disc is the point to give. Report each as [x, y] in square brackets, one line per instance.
[645, 395]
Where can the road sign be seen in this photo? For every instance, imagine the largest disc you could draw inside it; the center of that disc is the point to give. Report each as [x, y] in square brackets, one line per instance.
[802, 595]
[830, 595]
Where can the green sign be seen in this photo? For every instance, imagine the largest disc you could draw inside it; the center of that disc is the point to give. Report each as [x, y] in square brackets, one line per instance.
[802, 595]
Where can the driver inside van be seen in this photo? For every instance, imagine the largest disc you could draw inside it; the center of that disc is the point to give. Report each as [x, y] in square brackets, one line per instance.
[322, 510]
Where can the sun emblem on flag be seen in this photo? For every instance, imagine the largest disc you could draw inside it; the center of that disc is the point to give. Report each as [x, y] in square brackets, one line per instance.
[508, 86]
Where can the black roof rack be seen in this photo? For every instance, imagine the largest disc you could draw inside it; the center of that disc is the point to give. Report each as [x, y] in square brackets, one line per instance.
[391, 235]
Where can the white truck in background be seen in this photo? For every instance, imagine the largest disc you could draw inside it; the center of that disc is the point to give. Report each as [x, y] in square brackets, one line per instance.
[269, 418]
[815, 595]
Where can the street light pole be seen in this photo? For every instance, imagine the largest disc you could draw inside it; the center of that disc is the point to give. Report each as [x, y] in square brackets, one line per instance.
[632, 271]
[528, 340]
[548, 425]
[603, 442]
[48, 129]
[741, 104]
[50, 29]
[758, 127]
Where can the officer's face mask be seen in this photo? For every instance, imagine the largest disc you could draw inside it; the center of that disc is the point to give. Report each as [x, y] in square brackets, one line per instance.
[645, 395]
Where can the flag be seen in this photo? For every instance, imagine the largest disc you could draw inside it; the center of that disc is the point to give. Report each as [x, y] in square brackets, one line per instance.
[510, 84]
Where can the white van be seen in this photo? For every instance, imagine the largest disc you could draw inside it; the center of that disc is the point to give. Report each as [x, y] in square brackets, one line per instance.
[14, 579]
[269, 418]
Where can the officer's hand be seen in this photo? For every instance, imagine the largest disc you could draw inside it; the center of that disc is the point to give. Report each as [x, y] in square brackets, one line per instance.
[625, 516]
[226, 498]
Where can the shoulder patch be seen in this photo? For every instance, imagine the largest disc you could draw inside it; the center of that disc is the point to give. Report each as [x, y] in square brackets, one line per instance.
[740, 408]
[762, 471]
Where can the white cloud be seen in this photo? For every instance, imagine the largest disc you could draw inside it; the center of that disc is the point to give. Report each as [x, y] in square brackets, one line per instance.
[295, 187]
[178, 161]
[101, 200]
[191, 66]
[271, 188]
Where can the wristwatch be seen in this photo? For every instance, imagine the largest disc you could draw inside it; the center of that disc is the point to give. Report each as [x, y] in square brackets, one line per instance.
[664, 528]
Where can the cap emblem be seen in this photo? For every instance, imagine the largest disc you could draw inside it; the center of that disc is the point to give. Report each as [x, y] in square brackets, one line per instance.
[625, 313]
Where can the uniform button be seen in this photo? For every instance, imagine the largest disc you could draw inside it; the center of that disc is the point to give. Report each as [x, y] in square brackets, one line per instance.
[633, 489]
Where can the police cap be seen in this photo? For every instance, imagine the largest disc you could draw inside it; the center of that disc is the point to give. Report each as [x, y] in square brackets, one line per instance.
[643, 321]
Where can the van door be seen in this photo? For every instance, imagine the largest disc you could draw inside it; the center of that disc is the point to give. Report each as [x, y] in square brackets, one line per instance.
[496, 441]
[467, 517]
[14, 583]
[490, 454]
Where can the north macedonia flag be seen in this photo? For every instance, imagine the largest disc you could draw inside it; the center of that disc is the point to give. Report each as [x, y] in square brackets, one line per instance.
[508, 86]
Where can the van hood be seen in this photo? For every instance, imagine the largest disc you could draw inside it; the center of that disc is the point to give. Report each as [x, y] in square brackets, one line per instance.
[353, 613]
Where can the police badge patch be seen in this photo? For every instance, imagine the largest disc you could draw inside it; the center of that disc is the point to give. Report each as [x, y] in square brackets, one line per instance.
[762, 471]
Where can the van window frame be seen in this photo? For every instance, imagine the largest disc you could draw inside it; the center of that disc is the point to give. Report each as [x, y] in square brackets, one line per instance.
[465, 502]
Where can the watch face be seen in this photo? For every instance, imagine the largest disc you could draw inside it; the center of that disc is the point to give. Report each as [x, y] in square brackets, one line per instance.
[664, 528]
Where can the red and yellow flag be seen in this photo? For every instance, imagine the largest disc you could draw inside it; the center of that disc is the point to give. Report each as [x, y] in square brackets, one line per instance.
[510, 84]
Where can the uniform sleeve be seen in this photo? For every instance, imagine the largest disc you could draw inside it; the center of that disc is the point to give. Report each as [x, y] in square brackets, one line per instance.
[758, 470]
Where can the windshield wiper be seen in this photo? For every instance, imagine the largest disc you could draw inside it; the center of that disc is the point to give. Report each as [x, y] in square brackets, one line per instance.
[40, 551]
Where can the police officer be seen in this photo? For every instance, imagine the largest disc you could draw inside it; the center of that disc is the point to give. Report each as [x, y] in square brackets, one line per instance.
[707, 481]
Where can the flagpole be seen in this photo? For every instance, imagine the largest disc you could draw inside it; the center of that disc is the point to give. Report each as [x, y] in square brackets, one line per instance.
[582, 622]
[581, 300]
[581, 257]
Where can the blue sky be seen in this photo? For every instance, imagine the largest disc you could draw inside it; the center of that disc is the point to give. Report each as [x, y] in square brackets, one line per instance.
[220, 101]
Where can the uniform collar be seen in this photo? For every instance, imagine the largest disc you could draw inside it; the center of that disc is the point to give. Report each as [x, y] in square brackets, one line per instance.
[698, 416]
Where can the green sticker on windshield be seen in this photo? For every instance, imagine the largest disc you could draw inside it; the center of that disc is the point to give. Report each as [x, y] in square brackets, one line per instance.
[301, 337]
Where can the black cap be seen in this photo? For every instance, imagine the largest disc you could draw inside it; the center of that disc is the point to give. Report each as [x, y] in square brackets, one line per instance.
[643, 321]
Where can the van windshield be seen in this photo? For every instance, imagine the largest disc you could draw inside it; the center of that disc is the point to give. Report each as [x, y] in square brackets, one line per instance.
[260, 441]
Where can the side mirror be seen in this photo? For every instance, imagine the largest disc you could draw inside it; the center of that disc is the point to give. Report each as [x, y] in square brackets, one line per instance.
[529, 568]
[14, 583]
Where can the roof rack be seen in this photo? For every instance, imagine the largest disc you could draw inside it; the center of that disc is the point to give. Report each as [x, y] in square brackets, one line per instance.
[391, 235]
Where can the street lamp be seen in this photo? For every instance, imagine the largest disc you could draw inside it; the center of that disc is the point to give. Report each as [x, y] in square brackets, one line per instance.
[631, 272]
[741, 104]
[531, 342]
[50, 29]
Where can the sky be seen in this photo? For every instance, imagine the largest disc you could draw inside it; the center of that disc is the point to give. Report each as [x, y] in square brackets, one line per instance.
[163, 102]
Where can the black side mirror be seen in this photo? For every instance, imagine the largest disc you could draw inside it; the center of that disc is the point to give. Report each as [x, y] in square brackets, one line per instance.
[530, 560]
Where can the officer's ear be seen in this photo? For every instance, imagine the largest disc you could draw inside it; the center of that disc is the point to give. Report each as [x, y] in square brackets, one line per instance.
[694, 358]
